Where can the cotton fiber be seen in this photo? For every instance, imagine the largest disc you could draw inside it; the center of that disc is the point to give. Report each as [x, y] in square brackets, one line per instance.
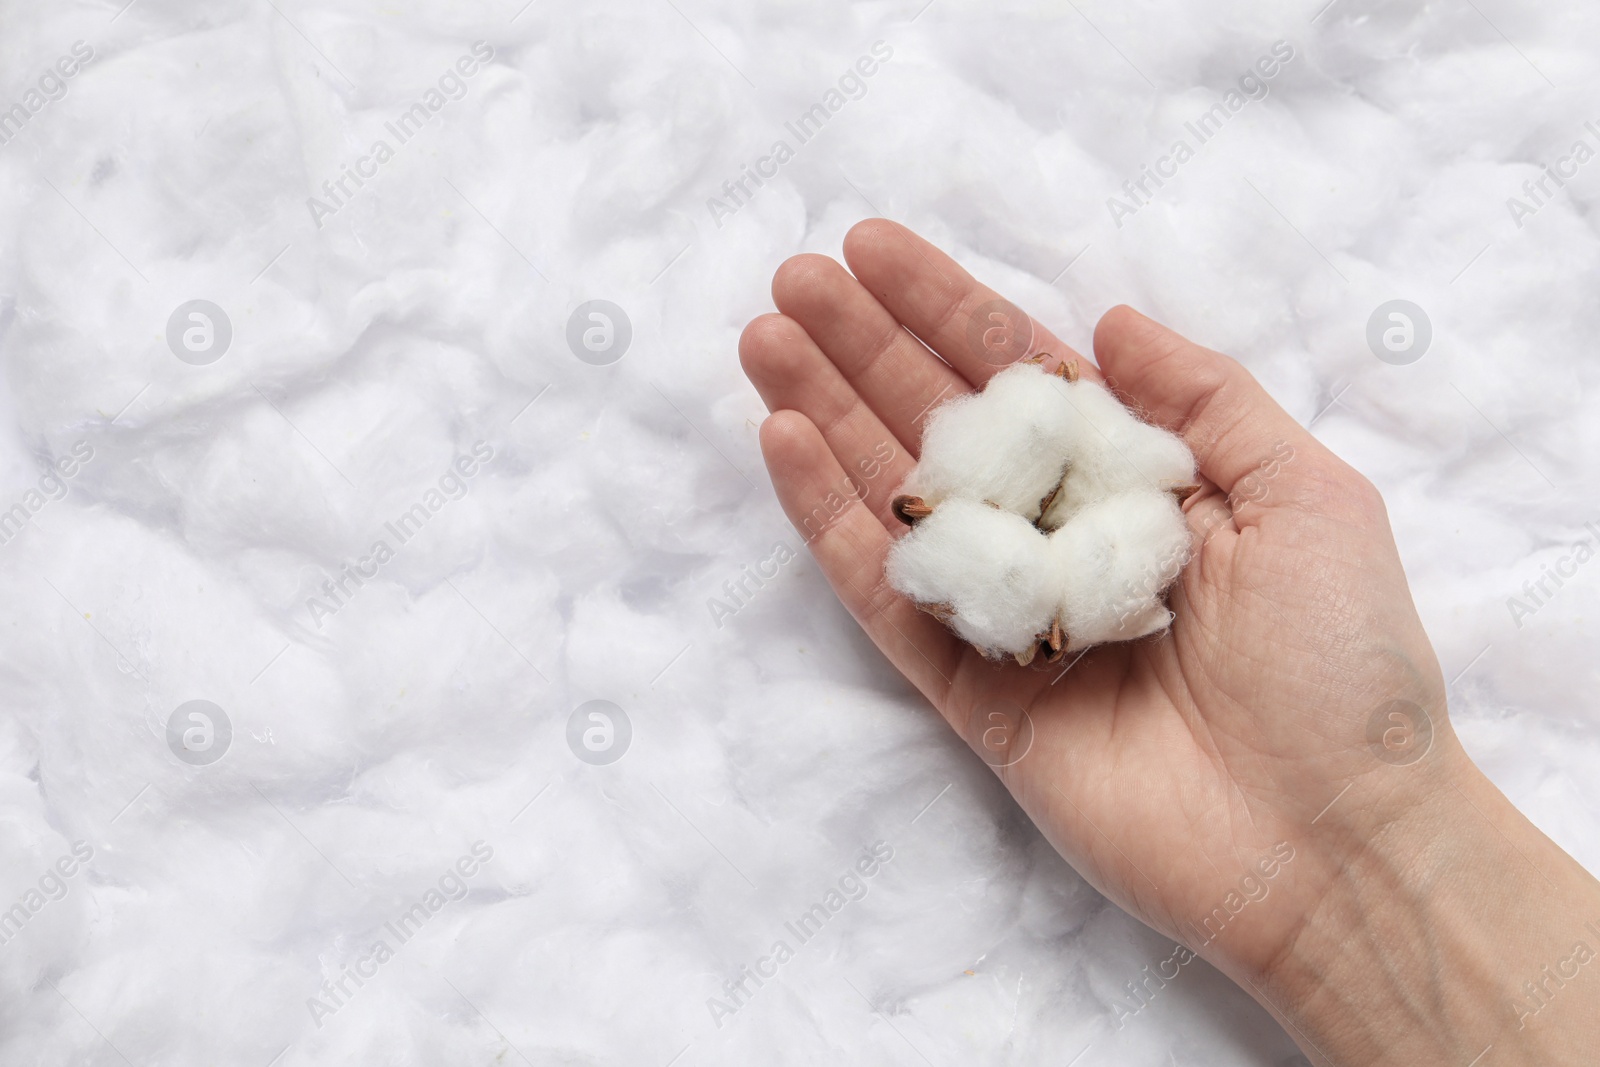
[1045, 515]
[1007, 445]
[1113, 452]
[979, 568]
[1113, 559]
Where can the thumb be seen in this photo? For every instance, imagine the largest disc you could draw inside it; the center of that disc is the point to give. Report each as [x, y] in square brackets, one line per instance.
[1235, 429]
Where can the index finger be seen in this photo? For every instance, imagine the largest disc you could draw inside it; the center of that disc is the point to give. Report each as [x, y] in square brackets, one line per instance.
[971, 327]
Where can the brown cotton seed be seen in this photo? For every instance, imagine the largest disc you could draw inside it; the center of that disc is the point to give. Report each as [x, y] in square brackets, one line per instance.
[943, 612]
[1053, 643]
[909, 509]
[1184, 492]
[1048, 499]
[1066, 368]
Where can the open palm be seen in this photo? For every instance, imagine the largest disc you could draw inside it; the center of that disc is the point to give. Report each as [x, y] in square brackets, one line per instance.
[1164, 770]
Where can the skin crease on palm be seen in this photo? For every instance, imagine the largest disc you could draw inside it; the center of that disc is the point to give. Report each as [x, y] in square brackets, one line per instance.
[1164, 770]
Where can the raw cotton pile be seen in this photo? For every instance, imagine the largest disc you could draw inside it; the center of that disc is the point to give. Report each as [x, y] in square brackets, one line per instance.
[1045, 517]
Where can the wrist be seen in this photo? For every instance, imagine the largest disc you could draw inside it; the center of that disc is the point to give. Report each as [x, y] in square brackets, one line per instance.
[1434, 903]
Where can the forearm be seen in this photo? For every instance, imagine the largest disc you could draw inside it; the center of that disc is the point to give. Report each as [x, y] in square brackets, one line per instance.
[1451, 931]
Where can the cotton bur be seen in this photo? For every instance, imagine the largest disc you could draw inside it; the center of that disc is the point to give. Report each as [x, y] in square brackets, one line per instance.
[1045, 517]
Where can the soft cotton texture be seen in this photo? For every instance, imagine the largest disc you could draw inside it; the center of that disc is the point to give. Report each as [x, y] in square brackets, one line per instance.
[1007, 444]
[1113, 560]
[988, 571]
[1114, 452]
[1117, 536]
[430, 312]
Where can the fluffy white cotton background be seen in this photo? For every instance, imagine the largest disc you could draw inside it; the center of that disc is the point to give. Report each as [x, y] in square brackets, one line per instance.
[373, 748]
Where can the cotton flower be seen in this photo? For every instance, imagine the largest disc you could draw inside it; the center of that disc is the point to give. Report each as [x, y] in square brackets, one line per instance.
[1044, 514]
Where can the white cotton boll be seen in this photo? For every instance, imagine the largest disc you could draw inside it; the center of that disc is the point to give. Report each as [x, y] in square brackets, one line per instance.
[1113, 451]
[1113, 561]
[991, 568]
[989, 460]
[1006, 445]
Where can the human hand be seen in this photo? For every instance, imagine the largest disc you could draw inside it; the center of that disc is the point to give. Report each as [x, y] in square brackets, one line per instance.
[1293, 719]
